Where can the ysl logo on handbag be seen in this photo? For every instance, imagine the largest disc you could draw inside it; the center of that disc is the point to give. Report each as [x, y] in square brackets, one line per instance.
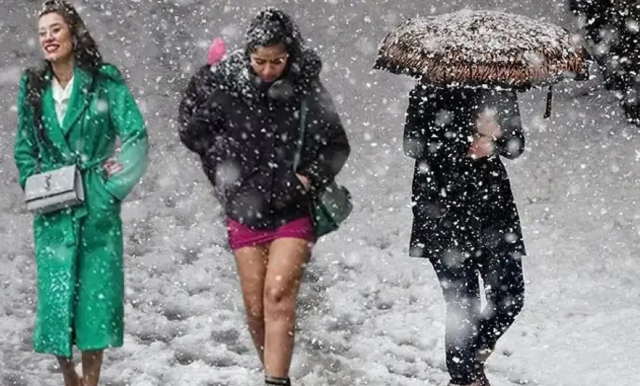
[47, 183]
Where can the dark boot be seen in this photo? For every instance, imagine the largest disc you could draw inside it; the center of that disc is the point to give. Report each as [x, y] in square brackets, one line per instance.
[275, 381]
[481, 356]
[482, 378]
[474, 383]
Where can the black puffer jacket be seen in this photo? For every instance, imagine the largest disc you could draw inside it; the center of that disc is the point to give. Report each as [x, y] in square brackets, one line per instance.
[198, 91]
[200, 87]
[247, 135]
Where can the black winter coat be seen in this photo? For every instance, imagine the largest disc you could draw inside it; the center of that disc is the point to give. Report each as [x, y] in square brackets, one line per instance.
[247, 134]
[461, 205]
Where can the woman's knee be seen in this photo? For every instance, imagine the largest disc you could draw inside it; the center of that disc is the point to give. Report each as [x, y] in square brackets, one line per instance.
[507, 304]
[279, 302]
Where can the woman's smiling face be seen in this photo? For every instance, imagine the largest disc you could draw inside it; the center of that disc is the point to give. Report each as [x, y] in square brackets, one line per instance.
[55, 37]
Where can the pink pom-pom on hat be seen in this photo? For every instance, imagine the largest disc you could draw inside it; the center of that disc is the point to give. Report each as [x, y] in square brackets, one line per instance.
[217, 51]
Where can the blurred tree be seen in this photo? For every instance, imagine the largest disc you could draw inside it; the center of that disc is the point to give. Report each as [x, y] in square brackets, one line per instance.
[611, 28]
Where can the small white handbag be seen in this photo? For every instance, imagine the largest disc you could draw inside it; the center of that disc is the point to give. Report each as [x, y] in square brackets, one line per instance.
[55, 190]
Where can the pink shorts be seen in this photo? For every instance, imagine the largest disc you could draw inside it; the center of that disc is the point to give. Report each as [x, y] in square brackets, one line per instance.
[242, 236]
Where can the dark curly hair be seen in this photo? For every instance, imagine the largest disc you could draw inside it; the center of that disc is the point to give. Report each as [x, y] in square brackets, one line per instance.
[85, 53]
[272, 26]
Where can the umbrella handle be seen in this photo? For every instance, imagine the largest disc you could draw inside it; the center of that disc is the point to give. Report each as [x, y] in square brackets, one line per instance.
[547, 112]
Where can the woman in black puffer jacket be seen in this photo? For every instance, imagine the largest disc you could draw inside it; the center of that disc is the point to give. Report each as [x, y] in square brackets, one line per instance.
[247, 135]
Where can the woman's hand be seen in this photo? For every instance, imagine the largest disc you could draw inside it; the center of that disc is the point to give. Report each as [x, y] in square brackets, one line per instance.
[481, 147]
[304, 181]
[111, 167]
[486, 125]
[487, 131]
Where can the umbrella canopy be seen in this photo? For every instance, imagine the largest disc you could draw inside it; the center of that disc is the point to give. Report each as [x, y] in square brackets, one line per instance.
[482, 48]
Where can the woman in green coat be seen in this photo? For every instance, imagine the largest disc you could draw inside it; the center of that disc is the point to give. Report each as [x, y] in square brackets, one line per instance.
[71, 111]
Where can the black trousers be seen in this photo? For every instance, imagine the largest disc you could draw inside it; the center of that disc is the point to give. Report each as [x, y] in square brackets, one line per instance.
[472, 333]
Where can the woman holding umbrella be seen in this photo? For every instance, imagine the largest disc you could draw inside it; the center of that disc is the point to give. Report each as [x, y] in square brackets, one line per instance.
[461, 120]
[465, 218]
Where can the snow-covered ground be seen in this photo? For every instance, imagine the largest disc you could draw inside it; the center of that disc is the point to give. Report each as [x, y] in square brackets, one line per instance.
[369, 315]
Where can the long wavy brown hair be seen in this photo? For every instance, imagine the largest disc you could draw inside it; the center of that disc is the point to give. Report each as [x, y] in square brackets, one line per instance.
[85, 53]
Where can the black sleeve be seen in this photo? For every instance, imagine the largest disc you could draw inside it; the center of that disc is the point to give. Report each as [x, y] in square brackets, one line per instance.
[428, 132]
[418, 117]
[326, 132]
[196, 95]
[198, 135]
[511, 144]
[188, 101]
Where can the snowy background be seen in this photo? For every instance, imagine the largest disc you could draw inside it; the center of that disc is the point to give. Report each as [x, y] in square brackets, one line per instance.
[368, 314]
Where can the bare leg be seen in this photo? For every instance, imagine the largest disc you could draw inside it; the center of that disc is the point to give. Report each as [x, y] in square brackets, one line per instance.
[91, 364]
[252, 269]
[69, 372]
[287, 260]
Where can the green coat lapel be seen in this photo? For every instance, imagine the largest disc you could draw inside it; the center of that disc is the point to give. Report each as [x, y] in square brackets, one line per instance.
[79, 99]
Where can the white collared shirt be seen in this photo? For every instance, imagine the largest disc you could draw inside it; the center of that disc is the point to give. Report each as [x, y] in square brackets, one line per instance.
[61, 98]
